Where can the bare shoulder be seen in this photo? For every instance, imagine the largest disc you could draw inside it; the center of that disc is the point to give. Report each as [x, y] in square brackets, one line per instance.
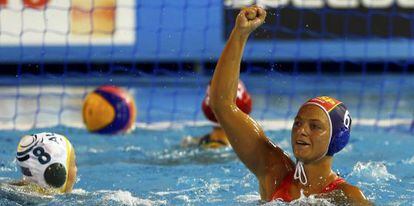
[354, 194]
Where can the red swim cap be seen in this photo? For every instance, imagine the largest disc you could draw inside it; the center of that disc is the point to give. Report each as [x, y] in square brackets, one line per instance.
[243, 102]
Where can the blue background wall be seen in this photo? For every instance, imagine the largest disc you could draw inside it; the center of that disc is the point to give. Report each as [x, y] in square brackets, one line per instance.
[186, 30]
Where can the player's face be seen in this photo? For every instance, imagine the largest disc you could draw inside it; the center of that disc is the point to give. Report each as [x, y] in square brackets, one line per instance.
[310, 133]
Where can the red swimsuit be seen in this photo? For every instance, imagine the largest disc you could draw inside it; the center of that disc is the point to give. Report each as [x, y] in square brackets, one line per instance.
[282, 192]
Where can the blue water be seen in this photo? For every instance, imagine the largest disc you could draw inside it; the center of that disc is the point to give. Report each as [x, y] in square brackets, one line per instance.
[148, 167]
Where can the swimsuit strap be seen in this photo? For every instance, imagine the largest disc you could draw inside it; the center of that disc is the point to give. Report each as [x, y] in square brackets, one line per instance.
[333, 185]
[282, 191]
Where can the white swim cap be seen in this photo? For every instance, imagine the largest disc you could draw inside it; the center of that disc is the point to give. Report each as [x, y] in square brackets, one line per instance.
[44, 158]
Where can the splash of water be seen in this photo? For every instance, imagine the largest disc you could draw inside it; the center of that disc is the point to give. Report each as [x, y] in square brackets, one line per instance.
[303, 200]
[250, 198]
[126, 198]
[371, 171]
[409, 161]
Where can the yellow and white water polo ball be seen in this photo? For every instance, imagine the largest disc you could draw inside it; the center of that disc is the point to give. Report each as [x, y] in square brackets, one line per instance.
[109, 110]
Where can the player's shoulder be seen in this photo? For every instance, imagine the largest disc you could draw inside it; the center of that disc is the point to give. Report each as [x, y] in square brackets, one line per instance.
[354, 194]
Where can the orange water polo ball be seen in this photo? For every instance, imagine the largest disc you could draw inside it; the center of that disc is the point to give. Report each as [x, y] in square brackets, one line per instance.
[109, 110]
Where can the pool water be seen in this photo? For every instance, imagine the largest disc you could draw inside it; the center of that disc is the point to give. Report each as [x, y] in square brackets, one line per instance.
[148, 167]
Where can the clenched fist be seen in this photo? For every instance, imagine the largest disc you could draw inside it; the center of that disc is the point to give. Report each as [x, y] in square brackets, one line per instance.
[249, 19]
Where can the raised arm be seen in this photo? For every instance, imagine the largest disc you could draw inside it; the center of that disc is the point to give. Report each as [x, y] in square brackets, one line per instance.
[245, 135]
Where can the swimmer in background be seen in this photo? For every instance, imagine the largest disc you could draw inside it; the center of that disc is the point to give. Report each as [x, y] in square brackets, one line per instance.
[47, 162]
[321, 128]
[217, 137]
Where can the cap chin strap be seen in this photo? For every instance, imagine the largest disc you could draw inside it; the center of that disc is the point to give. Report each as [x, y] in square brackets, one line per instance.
[300, 173]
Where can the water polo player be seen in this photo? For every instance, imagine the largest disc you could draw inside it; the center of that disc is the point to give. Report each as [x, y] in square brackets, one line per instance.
[217, 137]
[321, 129]
[47, 162]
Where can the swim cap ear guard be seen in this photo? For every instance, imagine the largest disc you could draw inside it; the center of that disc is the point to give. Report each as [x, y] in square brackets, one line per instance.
[341, 129]
[55, 175]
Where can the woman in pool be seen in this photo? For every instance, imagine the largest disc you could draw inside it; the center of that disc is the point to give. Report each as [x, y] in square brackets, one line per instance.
[217, 138]
[321, 129]
[47, 162]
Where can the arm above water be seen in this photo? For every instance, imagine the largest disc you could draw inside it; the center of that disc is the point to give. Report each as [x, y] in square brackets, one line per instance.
[245, 135]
